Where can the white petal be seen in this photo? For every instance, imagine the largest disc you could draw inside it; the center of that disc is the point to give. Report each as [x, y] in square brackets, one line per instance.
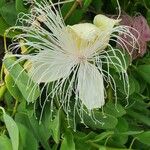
[84, 31]
[49, 66]
[90, 86]
[104, 23]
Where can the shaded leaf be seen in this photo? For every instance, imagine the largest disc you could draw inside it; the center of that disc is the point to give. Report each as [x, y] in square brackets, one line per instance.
[9, 13]
[102, 136]
[30, 91]
[103, 121]
[20, 7]
[12, 130]
[144, 137]
[144, 71]
[55, 128]
[5, 143]
[28, 141]
[68, 142]
[116, 111]
[13, 89]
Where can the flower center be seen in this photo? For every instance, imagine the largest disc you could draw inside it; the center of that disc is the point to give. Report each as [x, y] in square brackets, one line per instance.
[81, 58]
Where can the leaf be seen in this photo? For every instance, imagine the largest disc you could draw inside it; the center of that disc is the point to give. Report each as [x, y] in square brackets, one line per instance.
[144, 137]
[68, 142]
[77, 14]
[140, 117]
[2, 2]
[20, 7]
[28, 141]
[131, 132]
[147, 3]
[148, 16]
[102, 136]
[55, 127]
[122, 125]
[97, 5]
[3, 26]
[5, 143]
[12, 88]
[40, 132]
[116, 111]
[2, 91]
[144, 71]
[9, 13]
[30, 91]
[82, 138]
[86, 4]
[12, 130]
[101, 121]
[75, 17]
[8, 99]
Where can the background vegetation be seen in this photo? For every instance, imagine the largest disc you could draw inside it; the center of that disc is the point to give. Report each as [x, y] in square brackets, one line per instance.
[125, 128]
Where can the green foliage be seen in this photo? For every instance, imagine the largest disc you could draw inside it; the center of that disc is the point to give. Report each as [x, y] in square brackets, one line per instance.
[117, 126]
[12, 130]
[5, 143]
[29, 90]
[68, 142]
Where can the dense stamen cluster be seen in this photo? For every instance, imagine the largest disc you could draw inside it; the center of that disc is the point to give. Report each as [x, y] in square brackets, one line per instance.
[69, 60]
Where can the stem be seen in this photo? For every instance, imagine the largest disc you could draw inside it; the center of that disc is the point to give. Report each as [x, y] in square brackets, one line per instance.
[132, 143]
[5, 41]
[15, 108]
[2, 71]
[109, 94]
[104, 147]
[74, 6]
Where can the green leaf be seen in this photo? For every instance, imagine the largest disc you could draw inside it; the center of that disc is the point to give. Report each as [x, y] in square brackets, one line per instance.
[102, 136]
[131, 132]
[12, 88]
[101, 121]
[147, 3]
[55, 128]
[2, 91]
[12, 130]
[86, 4]
[8, 99]
[144, 137]
[68, 142]
[140, 117]
[75, 17]
[116, 111]
[5, 143]
[30, 91]
[144, 71]
[97, 4]
[3, 26]
[20, 7]
[9, 13]
[2, 2]
[28, 141]
[122, 125]
[148, 16]
[40, 131]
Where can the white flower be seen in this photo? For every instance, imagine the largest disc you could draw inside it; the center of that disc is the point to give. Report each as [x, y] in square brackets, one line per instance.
[71, 58]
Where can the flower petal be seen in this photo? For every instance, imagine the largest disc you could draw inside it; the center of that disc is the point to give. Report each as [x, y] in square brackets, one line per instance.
[90, 86]
[104, 23]
[49, 66]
